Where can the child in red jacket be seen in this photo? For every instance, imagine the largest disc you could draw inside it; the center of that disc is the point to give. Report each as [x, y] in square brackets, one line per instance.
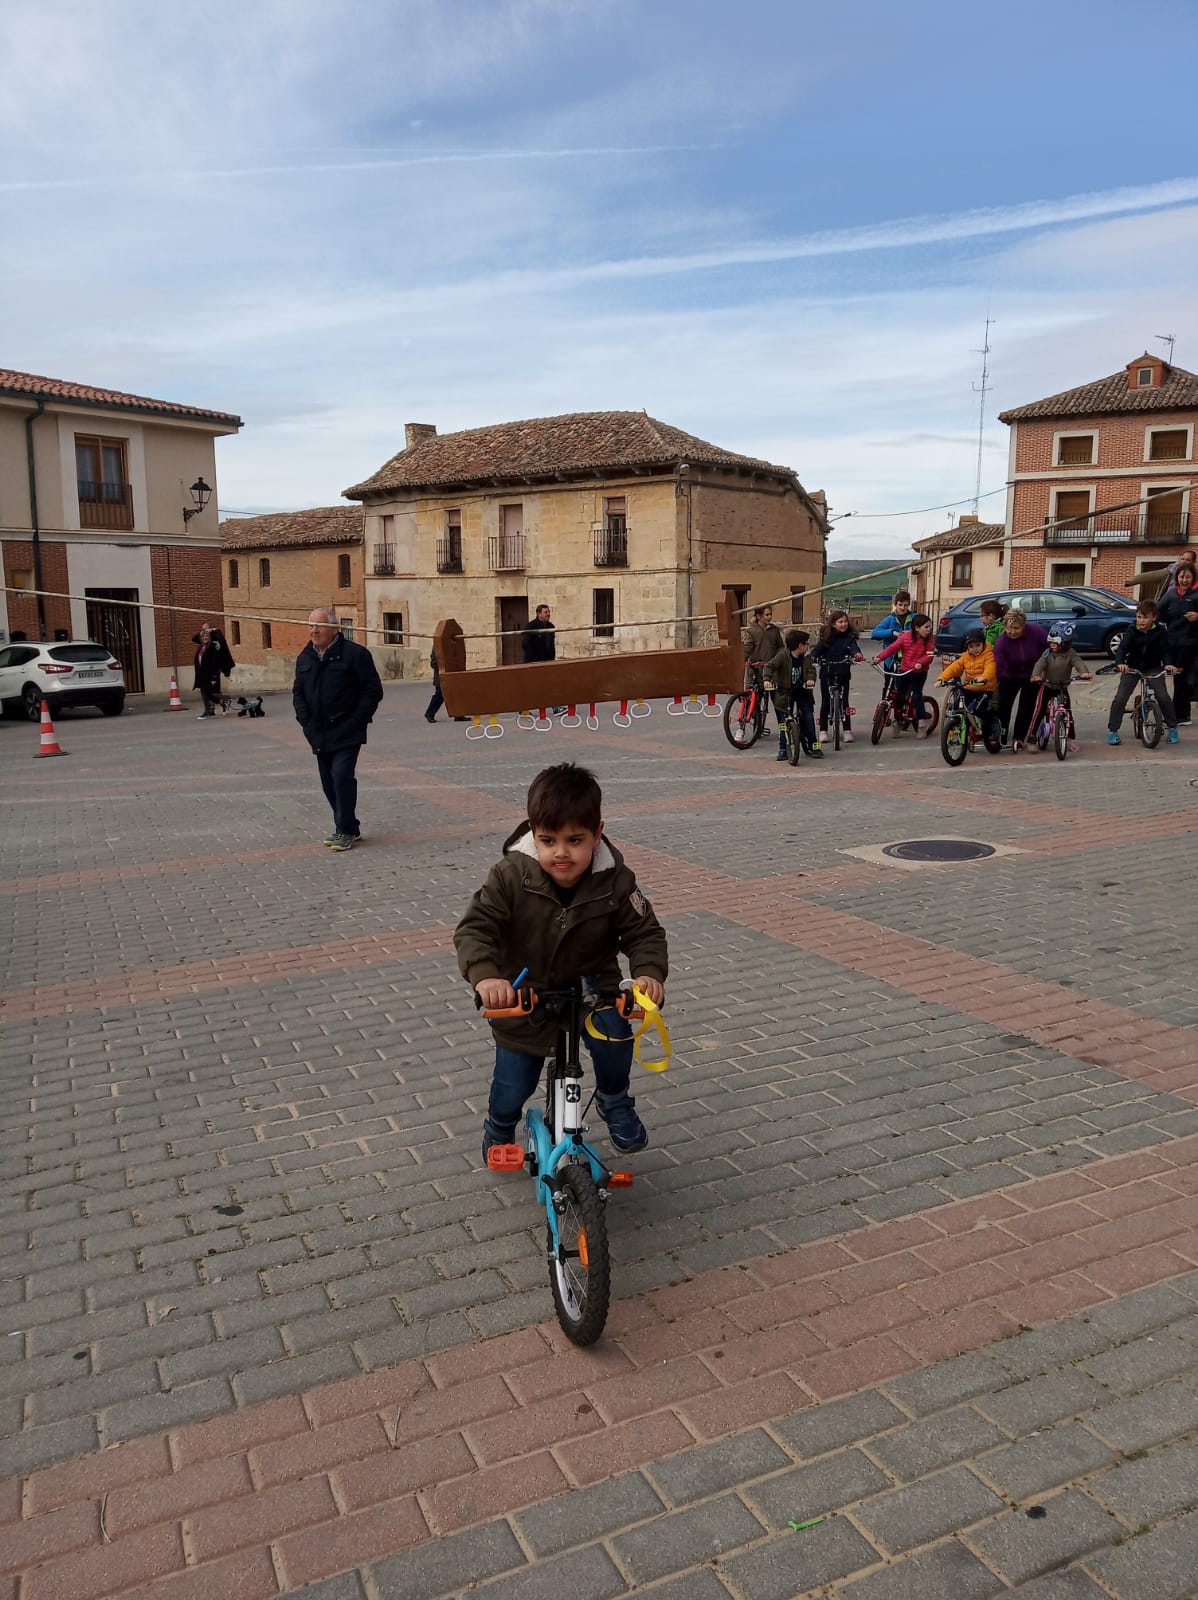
[916, 652]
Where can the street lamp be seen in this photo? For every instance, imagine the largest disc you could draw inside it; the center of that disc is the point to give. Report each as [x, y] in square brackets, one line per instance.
[200, 493]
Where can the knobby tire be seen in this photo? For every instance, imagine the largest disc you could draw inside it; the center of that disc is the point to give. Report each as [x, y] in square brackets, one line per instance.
[881, 717]
[1060, 737]
[740, 729]
[954, 738]
[793, 742]
[581, 1293]
[1152, 724]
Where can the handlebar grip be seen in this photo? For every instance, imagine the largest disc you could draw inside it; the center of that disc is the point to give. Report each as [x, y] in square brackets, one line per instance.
[526, 999]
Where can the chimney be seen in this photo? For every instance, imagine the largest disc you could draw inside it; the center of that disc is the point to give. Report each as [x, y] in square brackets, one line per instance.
[415, 433]
[966, 518]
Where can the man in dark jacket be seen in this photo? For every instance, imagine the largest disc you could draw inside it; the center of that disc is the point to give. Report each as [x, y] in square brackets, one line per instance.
[537, 642]
[335, 694]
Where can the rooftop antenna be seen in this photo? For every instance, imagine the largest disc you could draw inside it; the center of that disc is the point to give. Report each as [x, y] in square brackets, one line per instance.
[980, 390]
[1167, 338]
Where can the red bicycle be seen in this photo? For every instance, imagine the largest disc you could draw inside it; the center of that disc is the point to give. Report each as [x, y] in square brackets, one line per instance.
[896, 708]
[744, 714]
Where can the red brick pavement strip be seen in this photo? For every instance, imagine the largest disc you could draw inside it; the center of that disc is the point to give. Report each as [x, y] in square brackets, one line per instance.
[199, 977]
[295, 1490]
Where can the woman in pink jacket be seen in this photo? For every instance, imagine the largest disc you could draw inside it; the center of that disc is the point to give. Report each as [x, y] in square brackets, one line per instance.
[916, 652]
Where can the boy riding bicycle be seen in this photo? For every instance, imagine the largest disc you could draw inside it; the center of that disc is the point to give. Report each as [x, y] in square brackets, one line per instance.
[792, 673]
[1142, 651]
[560, 905]
[979, 679]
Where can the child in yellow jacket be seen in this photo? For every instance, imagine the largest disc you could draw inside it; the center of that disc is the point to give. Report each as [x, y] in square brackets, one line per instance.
[976, 668]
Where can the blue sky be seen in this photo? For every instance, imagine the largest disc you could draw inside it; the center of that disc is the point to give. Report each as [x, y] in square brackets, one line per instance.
[779, 225]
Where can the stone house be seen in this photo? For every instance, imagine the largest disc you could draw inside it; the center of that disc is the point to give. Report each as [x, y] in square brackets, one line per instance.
[608, 517]
[97, 511]
[275, 569]
[1076, 457]
[968, 559]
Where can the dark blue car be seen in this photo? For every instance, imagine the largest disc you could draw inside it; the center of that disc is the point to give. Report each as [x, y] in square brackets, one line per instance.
[1099, 618]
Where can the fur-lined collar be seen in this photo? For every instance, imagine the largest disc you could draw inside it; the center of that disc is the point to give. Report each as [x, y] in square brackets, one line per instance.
[522, 843]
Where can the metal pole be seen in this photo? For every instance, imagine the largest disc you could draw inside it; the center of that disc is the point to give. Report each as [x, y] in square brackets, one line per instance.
[35, 521]
[170, 599]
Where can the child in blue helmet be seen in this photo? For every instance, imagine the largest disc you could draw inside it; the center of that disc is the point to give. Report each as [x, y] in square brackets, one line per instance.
[1056, 669]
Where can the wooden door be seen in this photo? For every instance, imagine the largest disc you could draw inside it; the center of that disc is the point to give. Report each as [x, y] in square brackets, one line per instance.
[511, 612]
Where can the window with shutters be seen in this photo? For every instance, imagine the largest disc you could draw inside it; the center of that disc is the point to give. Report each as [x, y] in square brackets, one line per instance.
[263, 572]
[604, 613]
[962, 576]
[1076, 449]
[392, 627]
[234, 575]
[1071, 508]
[1168, 444]
[235, 631]
[266, 635]
[344, 577]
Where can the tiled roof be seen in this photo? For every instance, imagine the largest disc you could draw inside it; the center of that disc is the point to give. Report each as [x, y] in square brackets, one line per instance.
[281, 530]
[1179, 390]
[579, 442]
[27, 385]
[969, 537]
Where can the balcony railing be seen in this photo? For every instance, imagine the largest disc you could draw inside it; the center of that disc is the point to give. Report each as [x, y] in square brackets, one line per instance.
[384, 560]
[105, 505]
[507, 552]
[611, 546]
[1133, 526]
[449, 554]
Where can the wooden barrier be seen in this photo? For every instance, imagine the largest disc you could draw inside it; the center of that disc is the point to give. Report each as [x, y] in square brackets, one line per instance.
[587, 680]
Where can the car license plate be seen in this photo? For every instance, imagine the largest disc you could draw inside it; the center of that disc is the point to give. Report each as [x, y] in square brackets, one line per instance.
[90, 672]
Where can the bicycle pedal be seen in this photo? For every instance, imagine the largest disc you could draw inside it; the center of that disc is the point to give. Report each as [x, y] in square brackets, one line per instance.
[505, 1157]
[619, 1180]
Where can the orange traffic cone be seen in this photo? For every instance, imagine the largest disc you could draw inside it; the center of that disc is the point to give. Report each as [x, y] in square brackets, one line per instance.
[49, 745]
[175, 704]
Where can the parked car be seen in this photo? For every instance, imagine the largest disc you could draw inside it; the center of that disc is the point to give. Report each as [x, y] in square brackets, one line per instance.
[77, 672]
[1099, 618]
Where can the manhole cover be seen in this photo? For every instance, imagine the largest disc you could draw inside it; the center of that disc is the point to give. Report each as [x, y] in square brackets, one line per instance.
[938, 850]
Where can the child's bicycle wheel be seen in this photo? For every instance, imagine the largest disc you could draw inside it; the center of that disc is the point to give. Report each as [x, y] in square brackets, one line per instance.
[881, 718]
[954, 738]
[1152, 724]
[742, 727]
[1060, 737]
[931, 711]
[1043, 734]
[580, 1273]
[794, 744]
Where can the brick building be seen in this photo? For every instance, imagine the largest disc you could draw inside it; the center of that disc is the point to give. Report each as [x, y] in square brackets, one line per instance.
[1076, 457]
[275, 569]
[96, 511]
[608, 517]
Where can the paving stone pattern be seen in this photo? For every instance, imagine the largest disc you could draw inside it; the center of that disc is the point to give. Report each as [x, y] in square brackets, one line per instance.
[243, 1081]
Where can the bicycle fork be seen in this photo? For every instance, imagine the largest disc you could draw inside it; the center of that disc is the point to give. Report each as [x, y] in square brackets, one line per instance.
[545, 1155]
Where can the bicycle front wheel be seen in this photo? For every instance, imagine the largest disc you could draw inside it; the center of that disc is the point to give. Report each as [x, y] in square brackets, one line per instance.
[580, 1274]
[932, 712]
[1060, 737]
[742, 727]
[837, 722]
[880, 718]
[1152, 724]
[793, 744]
[954, 738]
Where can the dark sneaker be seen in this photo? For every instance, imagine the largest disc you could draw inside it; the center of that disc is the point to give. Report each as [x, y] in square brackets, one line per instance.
[493, 1135]
[625, 1129]
[342, 841]
[331, 841]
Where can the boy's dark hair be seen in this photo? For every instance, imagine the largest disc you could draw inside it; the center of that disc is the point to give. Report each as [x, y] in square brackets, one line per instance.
[918, 620]
[901, 594]
[795, 637]
[1147, 608]
[991, 608]
[565, 794]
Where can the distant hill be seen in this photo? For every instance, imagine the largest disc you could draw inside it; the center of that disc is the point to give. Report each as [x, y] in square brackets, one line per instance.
[875, 589]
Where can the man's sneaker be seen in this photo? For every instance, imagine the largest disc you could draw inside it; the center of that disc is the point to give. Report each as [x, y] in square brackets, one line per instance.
[342, 841]
[331, 841]
[1173, 736]
[1113, 738]
[625, 1129]
[848, 736]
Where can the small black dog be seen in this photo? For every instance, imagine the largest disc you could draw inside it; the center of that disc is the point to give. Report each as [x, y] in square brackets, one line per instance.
[251, 707]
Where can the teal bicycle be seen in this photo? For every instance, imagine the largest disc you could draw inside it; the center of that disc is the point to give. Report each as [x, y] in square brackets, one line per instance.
[573, 1182]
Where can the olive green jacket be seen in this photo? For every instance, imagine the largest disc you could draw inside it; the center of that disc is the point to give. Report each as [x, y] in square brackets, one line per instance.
[783, 677]
[761, 640]
[516, 920]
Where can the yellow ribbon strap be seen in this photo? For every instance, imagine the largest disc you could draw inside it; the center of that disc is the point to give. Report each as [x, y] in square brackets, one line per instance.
[651, 1020]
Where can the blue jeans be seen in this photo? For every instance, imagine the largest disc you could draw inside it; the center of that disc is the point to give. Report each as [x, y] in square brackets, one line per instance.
[516, 1075]
[339, 781]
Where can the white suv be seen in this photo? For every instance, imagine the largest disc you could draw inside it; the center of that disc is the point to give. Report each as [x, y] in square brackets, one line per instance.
[77, 672]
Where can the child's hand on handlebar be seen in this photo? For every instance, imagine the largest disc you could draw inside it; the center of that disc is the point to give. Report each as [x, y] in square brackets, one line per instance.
[650, 986]
[858, 657]
[496, 994]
